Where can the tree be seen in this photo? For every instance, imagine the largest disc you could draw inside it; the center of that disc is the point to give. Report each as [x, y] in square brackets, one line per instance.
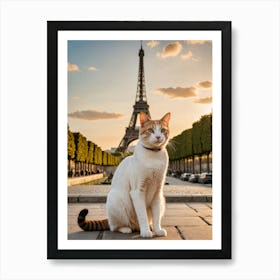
[81, 151]
[71, 147]
[196, 139]
[90, 154]
[188, 147]
[97, 155]
[78, 151]
[206, 136]
[104, 158]
[85, 153]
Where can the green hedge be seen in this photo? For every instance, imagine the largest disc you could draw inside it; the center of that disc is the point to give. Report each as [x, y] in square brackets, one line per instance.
[195, 141]
[83, 151]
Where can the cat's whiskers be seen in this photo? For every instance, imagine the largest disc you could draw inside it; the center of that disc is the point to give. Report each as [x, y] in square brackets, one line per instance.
[172, 144]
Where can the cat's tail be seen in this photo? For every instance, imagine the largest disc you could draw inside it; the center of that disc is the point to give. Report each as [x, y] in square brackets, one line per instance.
[91, 225]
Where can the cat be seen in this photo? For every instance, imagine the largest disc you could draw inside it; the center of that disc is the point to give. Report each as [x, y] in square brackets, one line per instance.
[135, 201]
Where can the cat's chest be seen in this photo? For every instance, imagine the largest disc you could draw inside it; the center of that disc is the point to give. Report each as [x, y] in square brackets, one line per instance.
[150, 182]
[154, 164]
[152, 161]
[152, 171]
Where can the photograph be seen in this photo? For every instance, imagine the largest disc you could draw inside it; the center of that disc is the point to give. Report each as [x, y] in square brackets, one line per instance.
[139, 117]
[141, 125]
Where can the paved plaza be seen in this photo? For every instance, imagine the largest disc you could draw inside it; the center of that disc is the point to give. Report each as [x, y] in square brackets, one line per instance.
[191, 221]
[188, 212]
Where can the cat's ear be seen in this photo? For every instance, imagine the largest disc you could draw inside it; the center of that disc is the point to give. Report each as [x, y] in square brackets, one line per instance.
[144, 118]
[166, 118]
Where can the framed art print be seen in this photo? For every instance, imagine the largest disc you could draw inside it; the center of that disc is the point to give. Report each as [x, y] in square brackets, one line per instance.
[139, 140]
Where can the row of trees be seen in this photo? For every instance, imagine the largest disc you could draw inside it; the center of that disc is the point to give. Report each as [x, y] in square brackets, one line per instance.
[86, 156]
[193, 142]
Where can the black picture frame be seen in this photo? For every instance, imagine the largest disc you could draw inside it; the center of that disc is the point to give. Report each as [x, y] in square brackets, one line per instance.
[53, 27]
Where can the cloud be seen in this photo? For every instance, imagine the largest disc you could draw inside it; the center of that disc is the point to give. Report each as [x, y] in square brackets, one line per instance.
[92, 68]
[187, 55]
[152, 44]
[197, 42]
[172, 49]
[73, 67]
[178, 92]
[205, 100]
[186, 92]
[204, 84]
[92, 115]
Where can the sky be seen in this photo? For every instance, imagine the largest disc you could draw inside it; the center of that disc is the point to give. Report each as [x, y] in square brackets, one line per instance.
[102, 85]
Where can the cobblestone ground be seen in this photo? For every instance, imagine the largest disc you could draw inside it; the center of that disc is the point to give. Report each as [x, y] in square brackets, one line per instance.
[189, 221]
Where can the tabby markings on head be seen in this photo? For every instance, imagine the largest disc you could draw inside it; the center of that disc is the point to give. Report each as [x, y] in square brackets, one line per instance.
[153, 126]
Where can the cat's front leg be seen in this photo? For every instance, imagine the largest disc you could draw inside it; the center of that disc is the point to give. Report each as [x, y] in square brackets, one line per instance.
[158, 207]
[139, 203]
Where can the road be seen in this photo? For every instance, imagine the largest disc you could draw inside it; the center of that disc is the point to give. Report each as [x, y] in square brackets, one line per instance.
[175, 187]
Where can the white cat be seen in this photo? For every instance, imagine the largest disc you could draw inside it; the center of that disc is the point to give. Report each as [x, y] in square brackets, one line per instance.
[135, 201]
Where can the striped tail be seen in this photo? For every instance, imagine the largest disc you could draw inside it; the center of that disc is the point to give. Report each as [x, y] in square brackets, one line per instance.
[93, 225]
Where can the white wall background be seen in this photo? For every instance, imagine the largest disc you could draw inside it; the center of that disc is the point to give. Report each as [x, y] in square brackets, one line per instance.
[255, 139]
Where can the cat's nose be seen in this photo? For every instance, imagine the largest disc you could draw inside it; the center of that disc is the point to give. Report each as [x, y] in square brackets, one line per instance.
[158, 137]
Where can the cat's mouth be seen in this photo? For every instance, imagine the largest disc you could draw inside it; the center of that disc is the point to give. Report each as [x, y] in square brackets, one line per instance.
[158, 142]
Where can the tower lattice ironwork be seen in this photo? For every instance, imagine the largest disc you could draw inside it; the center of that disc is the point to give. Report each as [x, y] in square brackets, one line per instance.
[141, 105]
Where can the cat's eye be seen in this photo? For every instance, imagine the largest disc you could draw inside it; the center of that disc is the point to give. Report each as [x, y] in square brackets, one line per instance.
[150, 130]
[163, 130]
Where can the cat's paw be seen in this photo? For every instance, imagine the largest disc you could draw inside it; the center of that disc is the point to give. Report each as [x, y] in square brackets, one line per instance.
[161, 232]
[125, 230]
[146, 234]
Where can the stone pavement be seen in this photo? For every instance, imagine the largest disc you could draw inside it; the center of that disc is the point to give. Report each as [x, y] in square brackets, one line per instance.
[189, 221]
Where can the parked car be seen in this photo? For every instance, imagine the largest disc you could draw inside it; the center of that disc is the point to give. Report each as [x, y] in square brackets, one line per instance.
[194, 178]
[205, 178]
[185, 176]
[176, 173]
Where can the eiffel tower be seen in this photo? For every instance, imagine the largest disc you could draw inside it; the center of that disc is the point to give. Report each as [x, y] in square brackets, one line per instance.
[141, 105]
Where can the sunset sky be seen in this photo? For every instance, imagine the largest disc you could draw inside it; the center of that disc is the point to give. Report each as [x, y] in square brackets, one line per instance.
[102, 83]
